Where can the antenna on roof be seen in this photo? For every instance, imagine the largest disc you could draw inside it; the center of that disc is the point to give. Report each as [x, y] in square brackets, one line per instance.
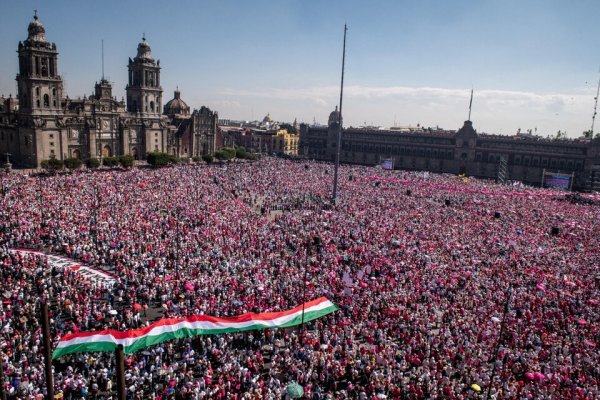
[102, 59]
[470, 104]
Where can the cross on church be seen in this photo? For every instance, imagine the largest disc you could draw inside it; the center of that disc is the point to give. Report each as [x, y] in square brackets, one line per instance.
[35, 14]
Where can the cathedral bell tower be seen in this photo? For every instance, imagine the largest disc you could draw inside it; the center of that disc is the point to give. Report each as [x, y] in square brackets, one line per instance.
[40, 88]
[144, 93]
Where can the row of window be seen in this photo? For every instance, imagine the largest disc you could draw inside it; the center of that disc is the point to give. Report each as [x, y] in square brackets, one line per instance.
[397, 150]
[534, 161]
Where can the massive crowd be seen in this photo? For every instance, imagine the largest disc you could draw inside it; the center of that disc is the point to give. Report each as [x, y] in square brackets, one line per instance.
[447, 288]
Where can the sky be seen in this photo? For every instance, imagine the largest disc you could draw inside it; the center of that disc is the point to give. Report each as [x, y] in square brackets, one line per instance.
[532, 64]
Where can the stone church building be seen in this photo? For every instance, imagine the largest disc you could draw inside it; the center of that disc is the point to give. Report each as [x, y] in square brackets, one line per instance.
[41, 123]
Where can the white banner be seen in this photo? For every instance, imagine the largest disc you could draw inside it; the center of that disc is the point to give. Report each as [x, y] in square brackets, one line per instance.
[93, 274]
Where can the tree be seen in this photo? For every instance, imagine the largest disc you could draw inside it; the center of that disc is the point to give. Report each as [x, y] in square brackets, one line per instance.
[589, 134]
[228, 152]
[290, 128]
[110, 161]
[126, 161]
[207, 158]
[241, 153]
[93, 163]
[220, 155]
[73, 163]
[158, 159]
[52, 165]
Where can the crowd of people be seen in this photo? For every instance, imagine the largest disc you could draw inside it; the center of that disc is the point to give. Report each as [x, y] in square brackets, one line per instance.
[447, 288]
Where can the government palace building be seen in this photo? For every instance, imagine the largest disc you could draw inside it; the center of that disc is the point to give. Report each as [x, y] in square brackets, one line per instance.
[523, 158]
[41, 123]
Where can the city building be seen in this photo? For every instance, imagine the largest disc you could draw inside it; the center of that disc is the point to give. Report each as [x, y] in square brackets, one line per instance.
[284, 143]
[41, 123]
[517, 158]
[196, 133]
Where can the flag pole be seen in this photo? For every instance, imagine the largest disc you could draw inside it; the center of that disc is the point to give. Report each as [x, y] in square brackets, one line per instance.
[470, 104]
[339, 137]
[47, 352]
[120, 372]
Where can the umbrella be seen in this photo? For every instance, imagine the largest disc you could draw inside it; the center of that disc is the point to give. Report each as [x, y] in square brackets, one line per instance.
[113, 312]
[495, 319]
[295, 390]
[137, 306]
[476, 387]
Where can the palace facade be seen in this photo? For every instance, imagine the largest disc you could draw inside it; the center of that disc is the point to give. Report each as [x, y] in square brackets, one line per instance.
[517, 158]
[41, 123]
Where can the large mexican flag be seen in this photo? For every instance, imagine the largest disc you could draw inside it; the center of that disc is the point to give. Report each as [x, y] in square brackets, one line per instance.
[175, 328]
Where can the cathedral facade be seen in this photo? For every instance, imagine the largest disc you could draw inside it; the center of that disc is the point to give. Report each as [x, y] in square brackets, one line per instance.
[41, 123]
[515, 158]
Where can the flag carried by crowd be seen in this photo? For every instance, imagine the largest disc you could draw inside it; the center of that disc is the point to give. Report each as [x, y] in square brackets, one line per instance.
[177, 328]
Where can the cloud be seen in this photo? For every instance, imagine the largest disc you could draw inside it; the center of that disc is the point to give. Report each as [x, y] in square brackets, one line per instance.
[493, 110]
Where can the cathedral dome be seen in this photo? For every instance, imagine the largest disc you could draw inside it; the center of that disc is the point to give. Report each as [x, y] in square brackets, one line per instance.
[267, 118]
[176, 106]
[334, 117]
[143, 50]
[37, 32]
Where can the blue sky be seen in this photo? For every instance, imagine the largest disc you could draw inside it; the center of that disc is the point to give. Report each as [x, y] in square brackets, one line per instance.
[532, 64]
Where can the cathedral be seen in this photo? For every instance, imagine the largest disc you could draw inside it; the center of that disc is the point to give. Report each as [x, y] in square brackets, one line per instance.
[41, 123]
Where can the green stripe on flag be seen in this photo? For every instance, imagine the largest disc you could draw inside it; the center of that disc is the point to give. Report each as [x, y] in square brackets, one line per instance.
[151, 340]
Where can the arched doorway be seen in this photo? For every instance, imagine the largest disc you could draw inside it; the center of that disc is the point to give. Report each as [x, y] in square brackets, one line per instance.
[134, 153]
[106, 152]
[76, 154]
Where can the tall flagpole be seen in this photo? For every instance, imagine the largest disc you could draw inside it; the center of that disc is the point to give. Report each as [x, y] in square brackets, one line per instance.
[595, 107]
[102, 59]
[339, 138]
[470, 104]
[47, 351]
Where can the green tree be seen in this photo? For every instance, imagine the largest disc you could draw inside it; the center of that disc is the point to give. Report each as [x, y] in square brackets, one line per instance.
[159, 159]
[92, 163]
[73, 163]
[228, 152]
[126, 161]
[241, 153]
[290, 128]
[52, 165]
[588, 134]
[110, 161]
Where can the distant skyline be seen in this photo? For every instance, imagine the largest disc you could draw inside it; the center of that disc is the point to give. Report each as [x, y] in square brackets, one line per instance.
[532, 64]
